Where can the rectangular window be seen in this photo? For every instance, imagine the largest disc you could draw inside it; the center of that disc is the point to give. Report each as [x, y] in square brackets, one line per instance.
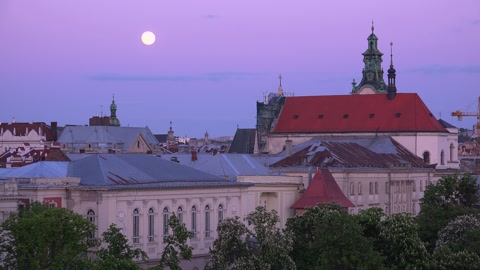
[387, 189]
[359, 188]
[165, 225]
[376, 187]
[194, 223]
[136, 226]
[151, 226]
[207, 223]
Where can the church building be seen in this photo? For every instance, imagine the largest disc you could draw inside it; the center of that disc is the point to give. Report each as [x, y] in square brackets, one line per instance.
[372, 108]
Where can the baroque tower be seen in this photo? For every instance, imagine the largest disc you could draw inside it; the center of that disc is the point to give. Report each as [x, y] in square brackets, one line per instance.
[113, 114]
[372, 75]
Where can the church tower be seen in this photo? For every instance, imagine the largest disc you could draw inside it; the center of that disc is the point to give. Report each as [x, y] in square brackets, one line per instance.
[391, 89]
[113, 114]
[372, 74]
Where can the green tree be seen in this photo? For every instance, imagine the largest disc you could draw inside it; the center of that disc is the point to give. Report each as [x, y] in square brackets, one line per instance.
[451, 197]
[116, 253]
[402, 247]
[263, 247]
[327, 237]
[176, 244]
[40, 237]
[446, 259]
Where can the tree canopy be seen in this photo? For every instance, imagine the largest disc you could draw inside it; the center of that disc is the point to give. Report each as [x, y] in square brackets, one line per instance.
[40, 237]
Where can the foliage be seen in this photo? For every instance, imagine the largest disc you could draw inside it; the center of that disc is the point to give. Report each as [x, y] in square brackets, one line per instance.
[117, 254]
[459, 234]
[40, 237]
[263, 247]
[327, 237]
[402, 247]
[176, 244]
[446, 259]
[451, 197]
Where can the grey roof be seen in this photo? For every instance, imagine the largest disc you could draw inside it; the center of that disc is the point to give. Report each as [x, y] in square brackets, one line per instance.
[445, 124]
[127, 169]
[104, 137]
[42, 169]
[121, 171]
[228, 166]
[244, 141]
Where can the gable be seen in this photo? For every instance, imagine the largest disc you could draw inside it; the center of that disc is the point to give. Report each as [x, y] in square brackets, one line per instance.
[356, 113]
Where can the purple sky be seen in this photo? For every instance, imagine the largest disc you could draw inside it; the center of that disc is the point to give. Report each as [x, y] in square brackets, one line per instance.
[61, 60]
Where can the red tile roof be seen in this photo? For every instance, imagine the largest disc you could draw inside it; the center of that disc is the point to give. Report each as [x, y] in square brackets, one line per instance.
[356, 113]
[322, 189]
[21, 129]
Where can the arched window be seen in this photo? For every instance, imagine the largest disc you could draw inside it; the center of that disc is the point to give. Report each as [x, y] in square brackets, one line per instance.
[194, 221]
[180, 214]
[452, 151]
[207, 221]
[151, 225]
[426, 157]
[165, 222]
[359, 188]
[136, 226]
[220, 213]
[442, 158]
[91, 218]
[352, 188]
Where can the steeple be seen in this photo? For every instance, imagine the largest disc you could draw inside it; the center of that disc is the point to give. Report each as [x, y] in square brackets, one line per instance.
[392, 89]
[280, 88]
[372, 74]
[170, 136]
[113, 113]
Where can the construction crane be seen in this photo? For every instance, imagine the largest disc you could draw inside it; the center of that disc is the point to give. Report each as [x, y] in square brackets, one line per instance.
[460, 115]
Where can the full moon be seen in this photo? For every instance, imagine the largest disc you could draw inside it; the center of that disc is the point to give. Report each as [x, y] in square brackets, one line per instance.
[148, 38]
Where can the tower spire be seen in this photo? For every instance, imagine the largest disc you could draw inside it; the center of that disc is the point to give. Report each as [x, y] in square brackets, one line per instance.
[280, 88]
[391, 89]
[372, 74]
[114, 121]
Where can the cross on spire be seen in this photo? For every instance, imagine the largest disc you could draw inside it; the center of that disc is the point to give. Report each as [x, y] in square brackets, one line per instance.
[280, 78]
[373, 27]
[391, 53]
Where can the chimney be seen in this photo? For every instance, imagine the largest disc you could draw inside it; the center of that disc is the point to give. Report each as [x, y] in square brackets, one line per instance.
[288, 148]
[194, 155]
[53, 130]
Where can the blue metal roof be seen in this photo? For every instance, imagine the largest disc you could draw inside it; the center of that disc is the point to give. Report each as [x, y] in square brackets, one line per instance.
[42, 169]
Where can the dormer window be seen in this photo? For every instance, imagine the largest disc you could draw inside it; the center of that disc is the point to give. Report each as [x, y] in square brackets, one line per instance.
[371, 115]
[320, 116]
[295, 116]
[397, 115]
[345, 116]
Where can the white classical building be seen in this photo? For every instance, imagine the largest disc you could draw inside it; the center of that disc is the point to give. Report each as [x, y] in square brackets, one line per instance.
[138, 193]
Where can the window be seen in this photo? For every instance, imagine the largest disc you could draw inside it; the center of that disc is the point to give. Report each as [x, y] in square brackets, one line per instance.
[220, 213]
[352, 188]
[370, 187]
[52, 205]
[151, 225]
[421, 185]
[452, 149]
[414, 185]
[426, 157]
[207, 221]
[91, 218]
[359, 188]
[165, 222]
[387, 188]
[376, 187]
[138, 144]
[136, 226]
[442, 158]
[194, 221]
[180, 214]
